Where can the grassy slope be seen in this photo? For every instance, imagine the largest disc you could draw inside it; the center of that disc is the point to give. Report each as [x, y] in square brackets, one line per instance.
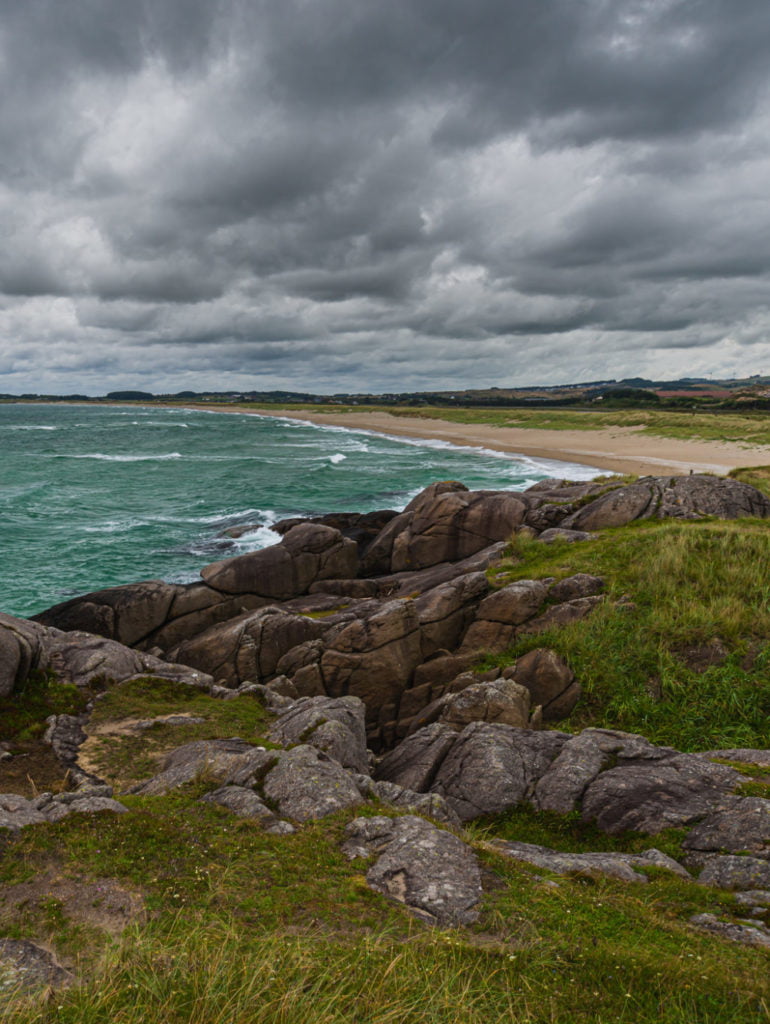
[245, 927]
[683, 586]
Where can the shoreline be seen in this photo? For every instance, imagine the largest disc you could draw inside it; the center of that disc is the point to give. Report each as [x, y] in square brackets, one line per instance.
[614, 450]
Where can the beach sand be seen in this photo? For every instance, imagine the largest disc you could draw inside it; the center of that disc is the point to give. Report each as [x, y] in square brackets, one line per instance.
[617, 450]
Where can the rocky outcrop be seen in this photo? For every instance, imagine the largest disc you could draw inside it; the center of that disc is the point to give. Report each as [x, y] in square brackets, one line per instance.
[249, 647]
[620, 781]
[81, 659]
[676, 497]
[445, 523]
[16, 812]
[499, 614]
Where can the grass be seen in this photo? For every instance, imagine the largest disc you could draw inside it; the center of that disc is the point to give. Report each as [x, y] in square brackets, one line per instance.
[23, 713]
[683, 586]
[246, 927]
[128, 757]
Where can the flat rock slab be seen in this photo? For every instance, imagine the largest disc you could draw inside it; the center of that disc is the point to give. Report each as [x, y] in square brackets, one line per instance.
[741, 755]
[731, 872]
[748, 935]
[25, 966]
[431, 871]
[221, 760]
[659, 791]
[742, 827]
[615, 865]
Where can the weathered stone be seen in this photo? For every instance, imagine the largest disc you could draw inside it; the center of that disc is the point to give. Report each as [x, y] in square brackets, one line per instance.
[570, 536]
[25, 966]
[429, 870]
[302, 664]
[649, 797]
[126, 614]
[222, 761]
[185, 627]
[57, 808]
[759, 898]
[304, 785]
[582, 584]
[440, 670]
[732, 872]
[624, 866]
[741, 826]
[420, 581]
[446, 611]
[83, 659]
[684, 497]
[373, 658]
[550, 681]
[560, 615]
[241, 801]
[443, 525]
[414, 763]
[747, 935]
[332, 724]
[580, 761]
[742, 755]
[307, 553]
[22, 648]
[429, 804]
[515, 603]
[362, 527]
[492, 768]
[250, 647]
[501, 701]
[16, 812]
[65, 735]
[499, 614]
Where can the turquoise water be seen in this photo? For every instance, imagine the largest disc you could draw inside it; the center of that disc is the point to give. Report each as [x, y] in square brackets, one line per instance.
[94, 496]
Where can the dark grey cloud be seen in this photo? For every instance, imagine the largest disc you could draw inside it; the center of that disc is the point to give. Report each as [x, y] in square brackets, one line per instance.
[352, 194]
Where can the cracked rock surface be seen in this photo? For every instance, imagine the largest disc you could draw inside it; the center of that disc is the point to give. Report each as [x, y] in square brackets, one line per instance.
[431, 871]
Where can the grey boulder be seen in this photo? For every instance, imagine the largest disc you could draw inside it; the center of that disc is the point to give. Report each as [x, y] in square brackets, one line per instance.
[429, 870]
[334, 725]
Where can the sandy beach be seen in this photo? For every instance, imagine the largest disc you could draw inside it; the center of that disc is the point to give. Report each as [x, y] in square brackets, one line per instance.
[617, 450]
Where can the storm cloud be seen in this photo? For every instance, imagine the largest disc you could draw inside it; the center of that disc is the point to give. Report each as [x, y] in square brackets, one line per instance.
[351, 195]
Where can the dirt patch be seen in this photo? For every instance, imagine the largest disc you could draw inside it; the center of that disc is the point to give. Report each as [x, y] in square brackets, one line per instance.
[100, 902]
[33, 768]
[700, 657]
[126, 750]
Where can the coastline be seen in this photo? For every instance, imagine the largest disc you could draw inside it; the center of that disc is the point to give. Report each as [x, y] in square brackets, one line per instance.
[617, 450]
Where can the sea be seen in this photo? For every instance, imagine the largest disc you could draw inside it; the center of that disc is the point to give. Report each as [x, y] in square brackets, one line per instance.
[92, 496]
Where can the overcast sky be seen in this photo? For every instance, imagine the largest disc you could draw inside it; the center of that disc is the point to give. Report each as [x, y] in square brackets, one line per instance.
[343, 195]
